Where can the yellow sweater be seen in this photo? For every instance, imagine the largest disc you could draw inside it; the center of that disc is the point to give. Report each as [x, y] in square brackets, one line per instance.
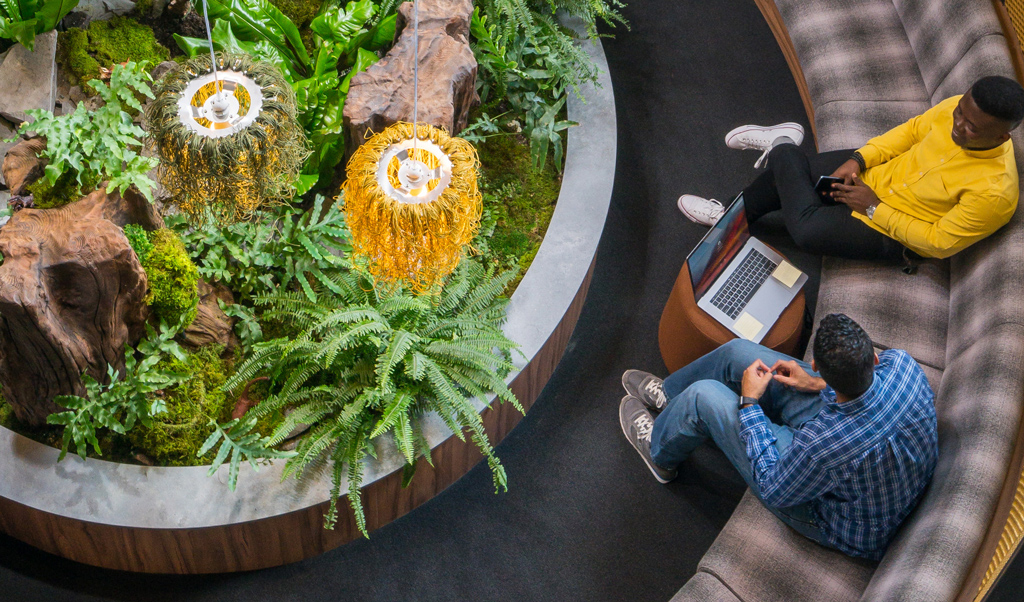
[936, 197]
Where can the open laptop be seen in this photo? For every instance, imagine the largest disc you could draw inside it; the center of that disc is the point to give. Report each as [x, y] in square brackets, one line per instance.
[738, 280]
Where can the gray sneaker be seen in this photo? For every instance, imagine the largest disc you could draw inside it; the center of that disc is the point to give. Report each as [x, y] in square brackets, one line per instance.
[646, 387]
[637, 423]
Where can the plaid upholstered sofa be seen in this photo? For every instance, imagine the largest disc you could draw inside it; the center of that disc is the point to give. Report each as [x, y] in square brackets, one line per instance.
[870, 65]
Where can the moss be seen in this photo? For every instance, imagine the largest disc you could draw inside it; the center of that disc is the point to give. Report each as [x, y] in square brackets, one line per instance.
[139, 241]
[143, 7]
[173, 278]
[65, 190]
[510, 243]
[520, 198]
[123, 39]
[301, 12]
[74, 54]
[6, 413]
[106, 43]
[178, 434]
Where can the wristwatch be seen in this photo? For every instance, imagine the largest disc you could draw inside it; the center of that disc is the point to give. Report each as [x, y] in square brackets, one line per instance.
[871, 211]
[745, 401]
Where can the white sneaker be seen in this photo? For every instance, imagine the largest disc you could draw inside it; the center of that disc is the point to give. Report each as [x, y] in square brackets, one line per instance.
[705, 212]
[761, 138]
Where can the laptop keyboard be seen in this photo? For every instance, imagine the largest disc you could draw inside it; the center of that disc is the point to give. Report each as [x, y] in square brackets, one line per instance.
[741, 285]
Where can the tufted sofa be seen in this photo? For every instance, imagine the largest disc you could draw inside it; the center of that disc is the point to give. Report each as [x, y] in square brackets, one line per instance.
[870, 65]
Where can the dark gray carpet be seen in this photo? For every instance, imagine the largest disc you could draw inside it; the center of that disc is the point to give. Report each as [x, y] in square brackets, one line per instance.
[583, 519]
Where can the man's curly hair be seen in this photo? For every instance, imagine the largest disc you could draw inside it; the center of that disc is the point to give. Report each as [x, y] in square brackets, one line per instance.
[843, 355]
[1000, 97]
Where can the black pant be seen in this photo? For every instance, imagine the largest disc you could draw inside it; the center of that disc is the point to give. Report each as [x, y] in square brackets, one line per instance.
[816, 227]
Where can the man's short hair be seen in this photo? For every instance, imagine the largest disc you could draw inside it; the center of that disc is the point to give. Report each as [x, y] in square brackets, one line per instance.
[1000, 97]
[843, 355]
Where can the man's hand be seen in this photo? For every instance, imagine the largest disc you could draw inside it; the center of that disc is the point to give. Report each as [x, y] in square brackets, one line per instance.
[857, 196]
[847, 171]
[755, 380]
[792, 374]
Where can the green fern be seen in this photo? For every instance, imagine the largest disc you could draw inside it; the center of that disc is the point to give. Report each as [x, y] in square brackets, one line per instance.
[237, 443]
[127, 396]
[368, 362]
[285, 247]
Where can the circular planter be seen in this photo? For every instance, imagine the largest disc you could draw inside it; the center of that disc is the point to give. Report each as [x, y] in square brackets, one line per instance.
[179, 520]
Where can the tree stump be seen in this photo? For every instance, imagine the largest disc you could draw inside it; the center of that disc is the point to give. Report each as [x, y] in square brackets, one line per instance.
[383, 94]
[72, 295]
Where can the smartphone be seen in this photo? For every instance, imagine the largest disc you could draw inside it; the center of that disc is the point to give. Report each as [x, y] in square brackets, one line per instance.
[824, 187]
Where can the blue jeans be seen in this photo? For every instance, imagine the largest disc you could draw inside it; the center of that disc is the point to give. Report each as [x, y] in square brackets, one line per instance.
[704, 401]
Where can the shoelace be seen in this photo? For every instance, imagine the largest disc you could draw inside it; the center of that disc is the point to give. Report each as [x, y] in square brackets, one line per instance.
[756, 141]
[713, 210]
[753, 141]
[654, 388]
[763, 158]
[644, 426]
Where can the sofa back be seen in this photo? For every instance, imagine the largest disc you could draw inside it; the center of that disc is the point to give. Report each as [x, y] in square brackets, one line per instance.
[953, 40]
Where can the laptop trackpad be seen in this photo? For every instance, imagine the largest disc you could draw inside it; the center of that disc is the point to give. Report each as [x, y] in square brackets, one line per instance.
[768, 303]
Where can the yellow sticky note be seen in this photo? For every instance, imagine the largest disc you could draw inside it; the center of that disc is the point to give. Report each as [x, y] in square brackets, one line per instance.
[786, 273]
[748, 326]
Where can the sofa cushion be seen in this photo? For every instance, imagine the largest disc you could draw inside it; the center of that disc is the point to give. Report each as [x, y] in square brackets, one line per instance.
[897, 310]
[941, 33]
[978, 408]
[986, 279]
[704, 587]
[850, 123]
[758, 557]
[853, 50]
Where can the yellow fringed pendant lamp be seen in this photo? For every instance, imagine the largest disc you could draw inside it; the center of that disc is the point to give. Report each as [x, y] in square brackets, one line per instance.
[412, 204]
[411, 199]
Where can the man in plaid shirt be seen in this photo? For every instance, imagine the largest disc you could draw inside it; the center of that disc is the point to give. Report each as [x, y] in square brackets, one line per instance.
[841, 455]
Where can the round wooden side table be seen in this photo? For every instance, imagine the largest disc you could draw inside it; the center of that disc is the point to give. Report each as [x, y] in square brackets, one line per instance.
[686, 332]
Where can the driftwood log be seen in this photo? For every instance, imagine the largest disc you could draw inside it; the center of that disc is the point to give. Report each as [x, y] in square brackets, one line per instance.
[72, 295]
[383, 94]
[211, 325]
[22, 165]
[129, 208]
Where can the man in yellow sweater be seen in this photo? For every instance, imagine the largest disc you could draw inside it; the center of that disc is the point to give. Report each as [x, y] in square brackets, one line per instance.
[934, 185]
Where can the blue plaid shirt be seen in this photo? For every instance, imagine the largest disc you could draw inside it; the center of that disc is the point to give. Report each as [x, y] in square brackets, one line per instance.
[861, 465]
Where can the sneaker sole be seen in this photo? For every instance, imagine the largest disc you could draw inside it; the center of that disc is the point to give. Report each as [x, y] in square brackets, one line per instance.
[625, 433]
[696, 220]
[624, 383]
[746, 128]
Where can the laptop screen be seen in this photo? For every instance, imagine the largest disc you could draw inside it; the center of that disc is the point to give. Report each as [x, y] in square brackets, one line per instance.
[714, 252]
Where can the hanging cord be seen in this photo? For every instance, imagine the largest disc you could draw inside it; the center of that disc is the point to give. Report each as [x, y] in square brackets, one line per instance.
[213, 57]
[415, 72]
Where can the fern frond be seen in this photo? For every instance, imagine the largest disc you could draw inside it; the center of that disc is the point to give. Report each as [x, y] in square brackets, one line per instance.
[258, 362]
[404, 439]
[393, 414]
[401, 343]
[354, 455]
